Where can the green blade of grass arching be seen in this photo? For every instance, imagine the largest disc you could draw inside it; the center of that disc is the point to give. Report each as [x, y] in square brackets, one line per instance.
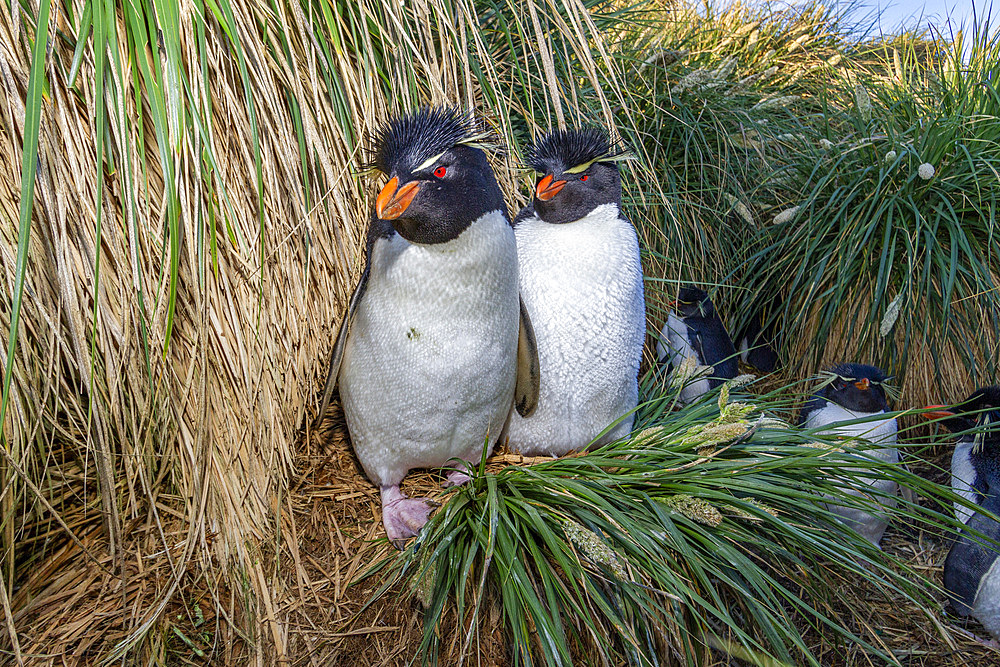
[29, 167]
[100, 127]
[140, 19]
[224, 14]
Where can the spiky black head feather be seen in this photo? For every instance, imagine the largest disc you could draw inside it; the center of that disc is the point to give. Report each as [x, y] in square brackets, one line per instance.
[565, 149]
[857, 387]
[694, 302]
[407, 141]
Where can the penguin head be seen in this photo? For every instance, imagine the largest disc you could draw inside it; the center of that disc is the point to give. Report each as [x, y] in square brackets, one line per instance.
[577, 172]
[440, 180]
[693, 303]
[980, 411]
[857, 387]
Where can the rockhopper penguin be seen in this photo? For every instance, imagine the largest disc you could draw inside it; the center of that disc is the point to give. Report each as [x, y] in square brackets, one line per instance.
[696, 331]
[972, 570]
[434, 349]
[854, 392]
[581, 281]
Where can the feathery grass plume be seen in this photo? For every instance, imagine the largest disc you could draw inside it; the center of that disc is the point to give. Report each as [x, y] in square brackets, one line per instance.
[785, 216]
[889, 158]
[891, 315]
[926, 171]
[863, 102]
[775, 102]
[594, 548]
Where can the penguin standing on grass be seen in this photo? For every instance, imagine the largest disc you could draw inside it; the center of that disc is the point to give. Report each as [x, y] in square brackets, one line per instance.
[434, 349]
[696, 331]
[581, 281]
[972, 569]
[858, 392]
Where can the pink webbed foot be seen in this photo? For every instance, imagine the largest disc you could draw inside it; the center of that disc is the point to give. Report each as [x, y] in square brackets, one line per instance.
[456, 477]
[403, 517]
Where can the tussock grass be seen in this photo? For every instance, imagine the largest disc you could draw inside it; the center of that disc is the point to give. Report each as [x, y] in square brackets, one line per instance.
[187, 212]
[706, 531]
[195, 229]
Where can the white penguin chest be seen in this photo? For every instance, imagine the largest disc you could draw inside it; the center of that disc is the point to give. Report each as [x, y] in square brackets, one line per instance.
[581, 283]
[429, 366]
[963, 474]
[877, 431]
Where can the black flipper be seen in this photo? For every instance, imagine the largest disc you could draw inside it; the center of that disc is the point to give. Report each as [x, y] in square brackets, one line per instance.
[337, 355]
[376, 229]
[528, 371]
[969, 560]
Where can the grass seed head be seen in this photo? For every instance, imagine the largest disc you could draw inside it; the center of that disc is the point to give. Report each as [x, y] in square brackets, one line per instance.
[890, 157]
[786, 216]
[594, 548]
[863, 102]
[695, 509]
[926, 171]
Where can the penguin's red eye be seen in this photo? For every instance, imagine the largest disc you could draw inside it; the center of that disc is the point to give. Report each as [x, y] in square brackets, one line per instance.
[440, 172]
[584, 177]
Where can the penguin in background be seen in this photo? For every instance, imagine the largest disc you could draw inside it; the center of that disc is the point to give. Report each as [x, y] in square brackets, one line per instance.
[695, 330]
[755, 345]
[581, 281]
[853, 392]
[435, 350]
[972, 569]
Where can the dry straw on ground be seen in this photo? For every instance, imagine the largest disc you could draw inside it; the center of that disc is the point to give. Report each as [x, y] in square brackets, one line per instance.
[137, 469]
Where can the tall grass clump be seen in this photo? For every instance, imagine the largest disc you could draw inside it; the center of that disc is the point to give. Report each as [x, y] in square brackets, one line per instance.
[892, 254]
[186, 211]
[724, 97]
[705, 532]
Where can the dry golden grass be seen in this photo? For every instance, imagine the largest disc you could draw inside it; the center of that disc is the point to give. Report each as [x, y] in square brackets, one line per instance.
[135, 468]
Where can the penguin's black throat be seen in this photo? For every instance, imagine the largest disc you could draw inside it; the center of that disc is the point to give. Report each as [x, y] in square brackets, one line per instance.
[440, 181]
[857, 387]
[577, 172]
[693, 303]
[978, 415]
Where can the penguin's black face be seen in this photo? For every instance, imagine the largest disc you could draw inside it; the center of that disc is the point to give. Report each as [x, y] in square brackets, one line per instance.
[577, 173]
[562, 196]
[857, 387]
[693, 303]
[980, 411]
[437, 201]
[439, 182]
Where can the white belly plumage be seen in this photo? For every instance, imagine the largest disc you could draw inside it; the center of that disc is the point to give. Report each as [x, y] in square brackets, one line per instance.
[582, 287]
[878, 431]
[962, 475]
[986, 608]
[674, 348]
[429, 368]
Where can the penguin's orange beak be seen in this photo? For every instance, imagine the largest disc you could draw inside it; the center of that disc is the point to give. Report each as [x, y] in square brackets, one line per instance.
[862, 384]
[547, 188]
[393, 200]
[937, 412]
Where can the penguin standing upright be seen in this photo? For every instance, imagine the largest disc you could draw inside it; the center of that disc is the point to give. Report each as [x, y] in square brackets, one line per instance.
[972, 569]
[581, 281]
[855, 392]
[435, 348]
[696, 331]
